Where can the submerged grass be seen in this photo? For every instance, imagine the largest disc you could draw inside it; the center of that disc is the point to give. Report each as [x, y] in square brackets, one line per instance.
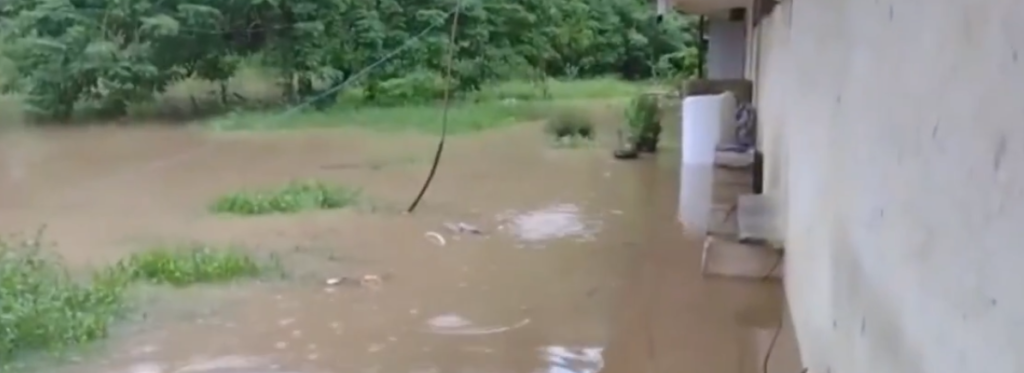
[294, 197]
[44, 309]
[494, 106]
[570, 128]
[191, 264]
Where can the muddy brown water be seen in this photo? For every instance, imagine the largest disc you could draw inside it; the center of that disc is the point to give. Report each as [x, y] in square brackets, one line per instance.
[581, 266]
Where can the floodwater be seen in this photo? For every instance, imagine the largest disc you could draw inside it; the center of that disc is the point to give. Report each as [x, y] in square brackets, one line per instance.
[579, 264]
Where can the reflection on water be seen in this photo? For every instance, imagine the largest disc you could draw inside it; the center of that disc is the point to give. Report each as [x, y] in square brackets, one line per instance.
[549, 223]
[573, 360]
[481, 307]
[223, 364]
[560, 359]
[452, 324]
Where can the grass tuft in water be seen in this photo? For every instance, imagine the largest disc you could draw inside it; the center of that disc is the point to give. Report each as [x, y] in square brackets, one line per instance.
[295, 197]
[45, 309]
[189, 265]
[570, 127]
[572, 142]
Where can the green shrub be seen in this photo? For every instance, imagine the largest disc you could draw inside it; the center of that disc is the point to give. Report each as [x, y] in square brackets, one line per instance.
[644, 122]
[43, 308]
[416, 88]
[642, 113]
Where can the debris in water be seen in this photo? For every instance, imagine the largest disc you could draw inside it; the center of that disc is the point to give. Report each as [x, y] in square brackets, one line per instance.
[366, 281]
[371, 281]
[448, 321]
[437, 238]
[461, 228]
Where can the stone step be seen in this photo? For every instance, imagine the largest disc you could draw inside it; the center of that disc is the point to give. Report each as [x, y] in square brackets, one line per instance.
[729, 258]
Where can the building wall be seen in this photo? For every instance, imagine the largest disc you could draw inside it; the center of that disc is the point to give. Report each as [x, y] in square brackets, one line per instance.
[726, 49]
[894, 140]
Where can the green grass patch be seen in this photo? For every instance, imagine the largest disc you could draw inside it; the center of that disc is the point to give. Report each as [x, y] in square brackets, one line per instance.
[45, 309]
[191, 264]
[463, 117]
[294, 197]
[589, 89]
[494, 106]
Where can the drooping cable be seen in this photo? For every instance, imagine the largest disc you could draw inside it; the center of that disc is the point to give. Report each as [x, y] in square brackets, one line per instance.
[445, 108]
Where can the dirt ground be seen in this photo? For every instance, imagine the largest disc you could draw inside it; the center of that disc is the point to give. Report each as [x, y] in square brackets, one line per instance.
[581, 266]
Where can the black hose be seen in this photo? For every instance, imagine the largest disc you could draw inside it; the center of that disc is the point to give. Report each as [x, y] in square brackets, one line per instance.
[444, 115]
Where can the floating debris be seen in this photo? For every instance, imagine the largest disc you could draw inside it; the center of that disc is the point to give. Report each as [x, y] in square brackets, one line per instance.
[366, 281]
[462, 228]
[436, 237]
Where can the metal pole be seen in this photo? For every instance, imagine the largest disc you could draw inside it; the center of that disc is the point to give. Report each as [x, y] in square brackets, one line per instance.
[702, 46]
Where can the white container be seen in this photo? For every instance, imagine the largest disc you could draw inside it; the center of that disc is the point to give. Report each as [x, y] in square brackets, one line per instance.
[704, 118]
[702, 122]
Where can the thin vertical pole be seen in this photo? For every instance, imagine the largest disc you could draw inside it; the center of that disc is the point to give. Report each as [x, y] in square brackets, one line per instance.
[702, 46]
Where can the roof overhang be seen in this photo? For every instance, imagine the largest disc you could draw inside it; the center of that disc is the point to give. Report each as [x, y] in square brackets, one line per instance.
[708, 7]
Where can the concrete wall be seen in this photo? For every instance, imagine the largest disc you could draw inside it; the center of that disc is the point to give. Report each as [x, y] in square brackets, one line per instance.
[894, 138]
[726, 49]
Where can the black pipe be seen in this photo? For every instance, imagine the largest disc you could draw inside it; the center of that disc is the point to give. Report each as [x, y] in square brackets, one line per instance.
[702, 45]
[758, 173]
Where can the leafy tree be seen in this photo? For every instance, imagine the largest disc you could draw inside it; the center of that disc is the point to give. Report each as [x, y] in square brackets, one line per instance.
[105, 55]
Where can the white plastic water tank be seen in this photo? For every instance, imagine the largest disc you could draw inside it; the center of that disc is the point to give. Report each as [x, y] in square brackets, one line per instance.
[704, 119]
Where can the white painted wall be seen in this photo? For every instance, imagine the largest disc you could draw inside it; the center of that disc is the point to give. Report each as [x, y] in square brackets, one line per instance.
[894, 137]
[727, 52]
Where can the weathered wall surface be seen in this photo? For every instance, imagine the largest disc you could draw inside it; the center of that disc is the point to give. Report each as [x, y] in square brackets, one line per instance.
[894, 137]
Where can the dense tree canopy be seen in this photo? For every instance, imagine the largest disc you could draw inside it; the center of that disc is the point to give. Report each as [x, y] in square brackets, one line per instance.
[112, 53]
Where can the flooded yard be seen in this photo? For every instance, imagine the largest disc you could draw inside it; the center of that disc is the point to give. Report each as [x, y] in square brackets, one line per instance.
[575, 262]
